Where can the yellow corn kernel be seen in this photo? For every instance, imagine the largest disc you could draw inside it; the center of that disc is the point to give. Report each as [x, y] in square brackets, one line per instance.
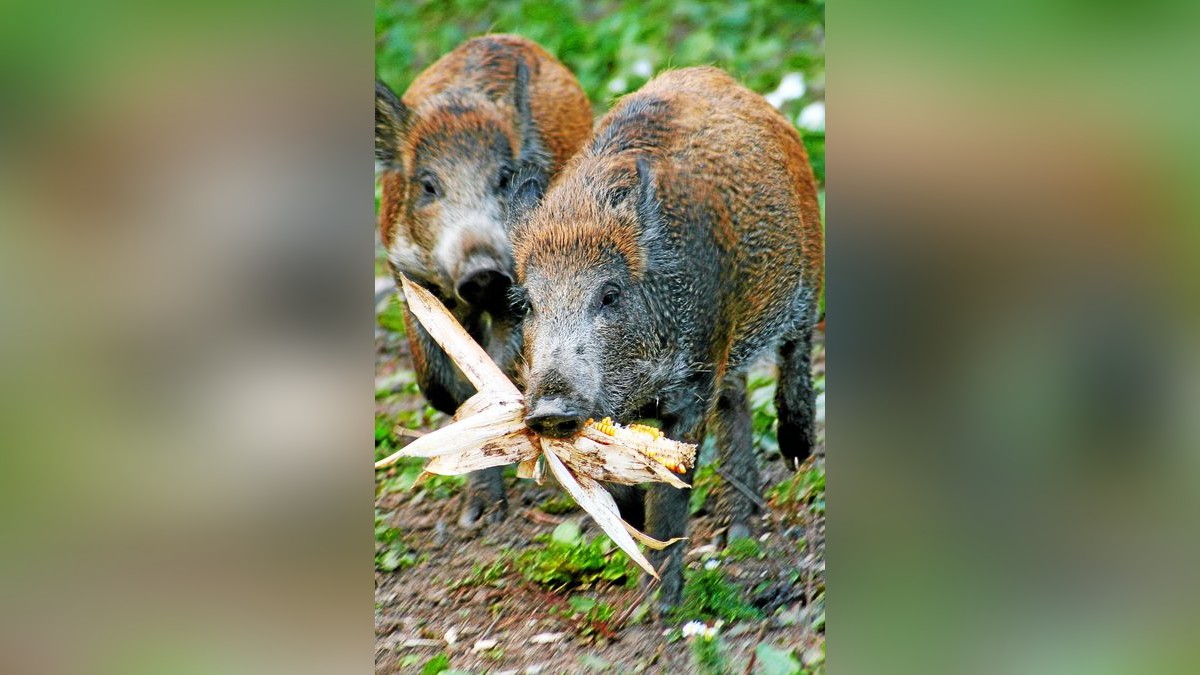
[647, 429]
[606, 425]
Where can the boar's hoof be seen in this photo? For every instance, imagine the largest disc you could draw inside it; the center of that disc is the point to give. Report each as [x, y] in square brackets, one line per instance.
[737, 530]
[480, 509]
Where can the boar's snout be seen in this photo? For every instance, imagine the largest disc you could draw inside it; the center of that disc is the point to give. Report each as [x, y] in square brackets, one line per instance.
[555, 417]
[484, 284]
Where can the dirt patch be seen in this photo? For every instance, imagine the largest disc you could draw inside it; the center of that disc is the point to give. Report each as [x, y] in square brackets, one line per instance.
[439, 601]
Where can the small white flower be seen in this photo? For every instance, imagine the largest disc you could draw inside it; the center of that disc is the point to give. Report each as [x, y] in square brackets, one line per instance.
[812, 118]
[693, 628]
[642, 68]
[618, 85]
[790, 88]
[711, 564]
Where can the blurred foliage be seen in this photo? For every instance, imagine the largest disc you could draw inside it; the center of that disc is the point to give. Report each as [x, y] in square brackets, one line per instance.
[743, 548]
[558, 504]
[589, 616]
[703, 482]
[615, 46]
[484, 575]
[391, 553]
[392, 317]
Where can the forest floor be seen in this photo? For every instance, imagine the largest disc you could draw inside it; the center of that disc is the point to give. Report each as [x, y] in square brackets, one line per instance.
[534, 595]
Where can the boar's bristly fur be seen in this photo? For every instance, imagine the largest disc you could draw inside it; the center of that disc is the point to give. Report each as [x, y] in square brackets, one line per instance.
[496, 108]
[683, 243]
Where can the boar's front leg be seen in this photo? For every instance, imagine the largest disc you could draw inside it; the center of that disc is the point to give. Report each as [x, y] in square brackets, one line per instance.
[667, 510]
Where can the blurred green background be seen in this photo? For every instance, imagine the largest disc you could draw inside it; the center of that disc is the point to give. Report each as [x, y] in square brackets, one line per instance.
[775, 47]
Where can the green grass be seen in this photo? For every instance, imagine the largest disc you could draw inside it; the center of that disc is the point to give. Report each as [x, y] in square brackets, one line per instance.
[567, 561]
[484, 575]
[708, 596]
[803, 489]
[391, 553]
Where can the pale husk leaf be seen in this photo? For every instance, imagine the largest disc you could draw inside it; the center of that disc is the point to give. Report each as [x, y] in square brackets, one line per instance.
[494, 420]
[502, 451]
[450, 336]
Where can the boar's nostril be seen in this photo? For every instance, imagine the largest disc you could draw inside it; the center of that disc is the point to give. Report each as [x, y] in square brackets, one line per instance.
[554, 418]
[484, 287]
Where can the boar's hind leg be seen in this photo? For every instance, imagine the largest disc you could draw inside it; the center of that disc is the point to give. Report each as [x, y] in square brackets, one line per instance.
[795, 399]
[735, 457]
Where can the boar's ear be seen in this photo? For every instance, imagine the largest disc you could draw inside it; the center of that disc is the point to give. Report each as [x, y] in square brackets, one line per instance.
[648, 207]
[528, 186]
[533, 151]
[391, 118]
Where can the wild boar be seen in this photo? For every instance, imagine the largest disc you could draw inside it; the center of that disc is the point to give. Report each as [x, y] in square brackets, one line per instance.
[448, 150]
[683, 243]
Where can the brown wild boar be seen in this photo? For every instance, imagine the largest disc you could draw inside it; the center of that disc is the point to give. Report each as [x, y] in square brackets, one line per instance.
[683, 243]
[448, 150]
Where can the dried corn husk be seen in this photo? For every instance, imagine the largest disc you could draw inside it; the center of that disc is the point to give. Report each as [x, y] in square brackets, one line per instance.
[489, 430]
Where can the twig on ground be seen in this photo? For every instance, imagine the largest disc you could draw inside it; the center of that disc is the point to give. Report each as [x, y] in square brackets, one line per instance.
[537, 516]
[489, 628]
[411, 433]
[741, 487]
[762, 630]
[619, 623]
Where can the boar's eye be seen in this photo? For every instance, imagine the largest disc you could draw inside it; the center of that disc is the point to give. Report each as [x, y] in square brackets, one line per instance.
[610, 296]
[429, 186]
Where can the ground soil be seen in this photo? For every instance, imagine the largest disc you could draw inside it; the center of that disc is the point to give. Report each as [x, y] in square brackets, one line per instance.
[417, 609]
